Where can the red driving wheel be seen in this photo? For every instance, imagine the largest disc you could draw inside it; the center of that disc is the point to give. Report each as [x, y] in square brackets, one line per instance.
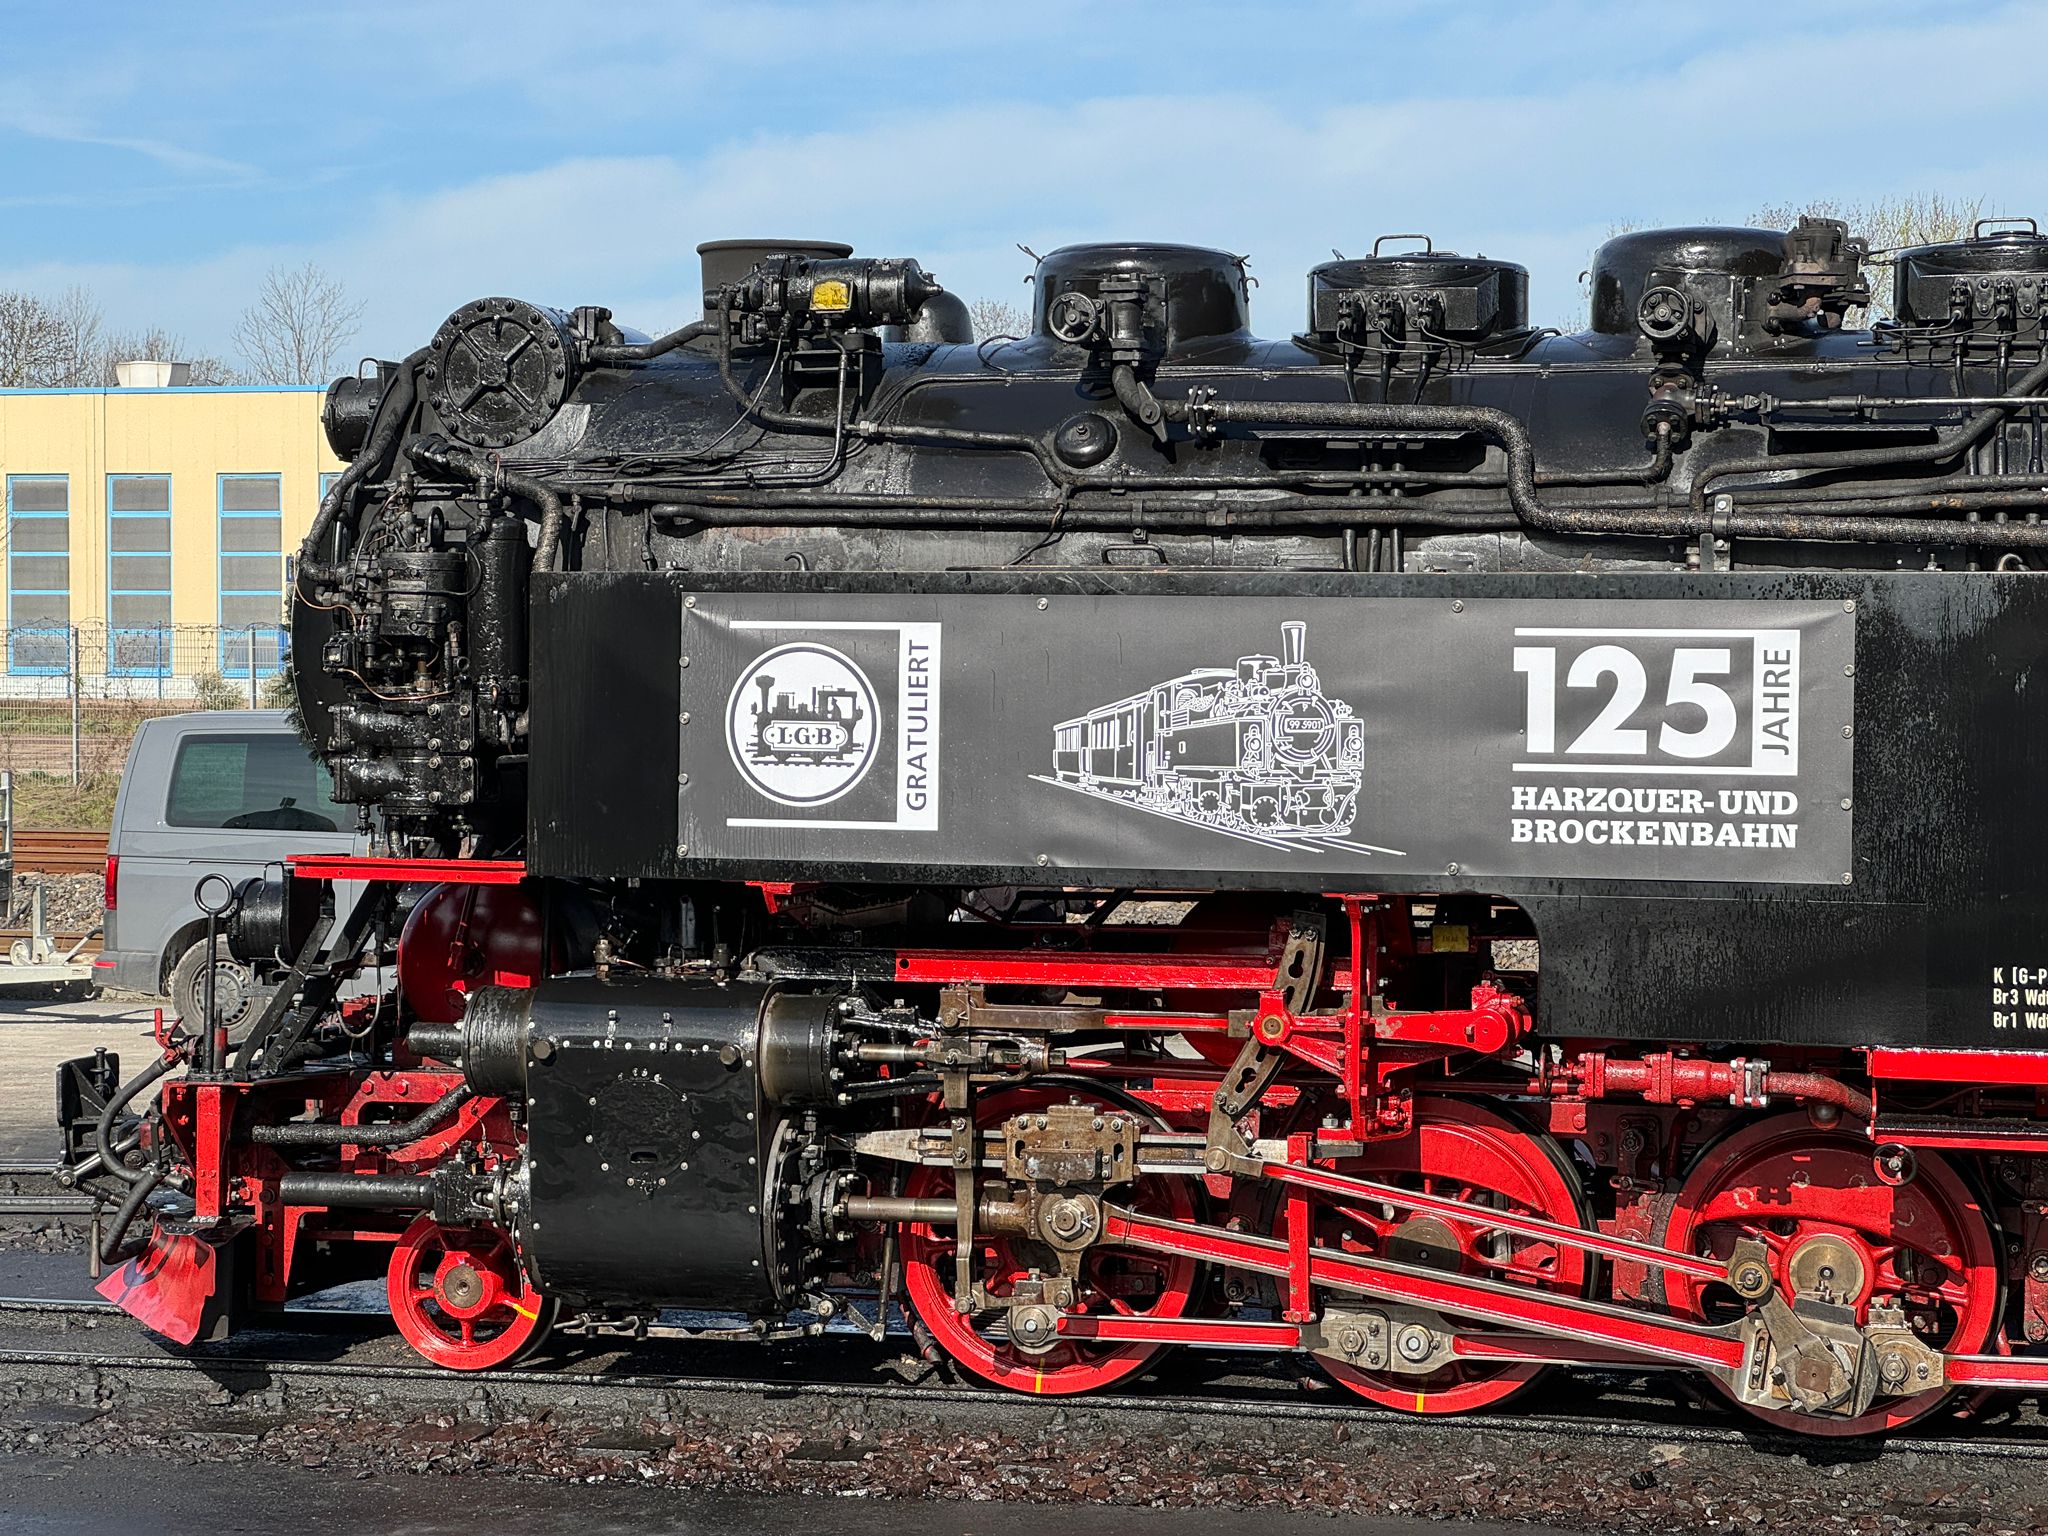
[460, 1298]
[1113, 1282]
[1464, 1151]
[1926, 1245]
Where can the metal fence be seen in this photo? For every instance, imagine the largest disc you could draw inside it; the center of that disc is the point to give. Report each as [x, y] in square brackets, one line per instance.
[72, 695]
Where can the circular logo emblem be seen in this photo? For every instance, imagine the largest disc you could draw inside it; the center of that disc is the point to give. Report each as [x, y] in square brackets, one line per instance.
[801, 724]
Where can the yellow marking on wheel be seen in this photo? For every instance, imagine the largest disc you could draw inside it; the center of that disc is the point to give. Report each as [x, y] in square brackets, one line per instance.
[1420, 1399]
[531, 1317]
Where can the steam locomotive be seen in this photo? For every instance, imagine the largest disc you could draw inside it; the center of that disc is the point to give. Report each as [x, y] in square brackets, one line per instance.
[1687, 1010]
[1253, 750]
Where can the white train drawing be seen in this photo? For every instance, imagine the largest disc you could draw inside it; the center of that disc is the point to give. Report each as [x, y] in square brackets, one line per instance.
[1255, 748]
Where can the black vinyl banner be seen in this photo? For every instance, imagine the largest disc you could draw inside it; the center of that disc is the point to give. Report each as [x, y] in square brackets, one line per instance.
[1422, 737]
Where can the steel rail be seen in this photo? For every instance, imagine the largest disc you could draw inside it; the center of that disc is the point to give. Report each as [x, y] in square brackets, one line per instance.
[47, 1205]
[265, 1372]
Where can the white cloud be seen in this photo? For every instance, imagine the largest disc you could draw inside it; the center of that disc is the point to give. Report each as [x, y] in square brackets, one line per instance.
[1534, 167]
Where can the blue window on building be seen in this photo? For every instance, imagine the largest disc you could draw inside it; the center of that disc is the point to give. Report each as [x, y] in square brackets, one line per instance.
[39, 574]
[251, 573]
[139, 575]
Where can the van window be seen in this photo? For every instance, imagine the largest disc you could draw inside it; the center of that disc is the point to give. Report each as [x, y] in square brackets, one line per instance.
[266, 782]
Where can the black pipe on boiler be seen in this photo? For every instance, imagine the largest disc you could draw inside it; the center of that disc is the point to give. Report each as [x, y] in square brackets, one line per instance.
[357, 1191]
[301, 1133]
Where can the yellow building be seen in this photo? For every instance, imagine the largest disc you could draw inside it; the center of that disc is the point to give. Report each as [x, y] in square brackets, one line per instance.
[153, 528]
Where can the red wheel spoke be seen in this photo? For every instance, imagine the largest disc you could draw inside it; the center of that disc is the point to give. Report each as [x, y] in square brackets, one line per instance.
[1784, 1182]
[493, 1337]
[1112, 1282]
[1465, 1152]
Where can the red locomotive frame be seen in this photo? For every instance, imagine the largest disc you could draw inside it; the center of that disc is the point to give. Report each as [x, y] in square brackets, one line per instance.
[1830, 1269]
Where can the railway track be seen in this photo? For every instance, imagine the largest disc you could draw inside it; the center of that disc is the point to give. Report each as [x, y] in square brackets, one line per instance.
[1250, 1399]
[45, 1205]
[31, 1190]
[62, 851]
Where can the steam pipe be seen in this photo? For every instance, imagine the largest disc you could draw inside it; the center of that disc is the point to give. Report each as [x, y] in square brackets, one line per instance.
[1945, 446]
[1194, 513]
[400, 1133]
[392, 412]
[640, 352]
[1142, 405]
[359, 1191]
[437, 454]
[1676, 522]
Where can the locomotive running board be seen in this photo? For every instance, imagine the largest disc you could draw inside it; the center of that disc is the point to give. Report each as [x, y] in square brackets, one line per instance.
[349, 866]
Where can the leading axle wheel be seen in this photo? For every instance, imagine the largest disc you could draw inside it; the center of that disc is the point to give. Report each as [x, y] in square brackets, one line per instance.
[1113, 1281]
[1469, 1153]
[460, 1298]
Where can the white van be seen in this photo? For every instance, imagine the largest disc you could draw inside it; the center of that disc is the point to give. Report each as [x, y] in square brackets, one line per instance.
[227, 792]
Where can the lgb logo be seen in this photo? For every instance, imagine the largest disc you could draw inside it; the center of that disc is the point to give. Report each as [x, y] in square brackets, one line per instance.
[783, 737]
[801, 724]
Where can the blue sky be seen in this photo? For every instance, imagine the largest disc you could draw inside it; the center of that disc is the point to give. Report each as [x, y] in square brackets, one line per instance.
[166, 155]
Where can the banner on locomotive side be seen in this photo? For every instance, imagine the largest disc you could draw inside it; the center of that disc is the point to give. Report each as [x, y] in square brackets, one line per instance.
[1311, 737]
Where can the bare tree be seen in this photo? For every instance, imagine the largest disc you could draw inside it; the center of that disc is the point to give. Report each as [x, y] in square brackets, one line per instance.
[63, 343]
[160, 345]
[294, 332]
[998, 317]
[210, 370]
[32, 341]
[1889, 224]
[77, 316]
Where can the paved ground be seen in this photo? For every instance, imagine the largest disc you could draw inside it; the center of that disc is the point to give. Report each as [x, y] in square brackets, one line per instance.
[34, 1037]
[51, 1496]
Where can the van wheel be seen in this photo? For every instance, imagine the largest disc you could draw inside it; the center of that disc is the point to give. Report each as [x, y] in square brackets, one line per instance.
[237, 993]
